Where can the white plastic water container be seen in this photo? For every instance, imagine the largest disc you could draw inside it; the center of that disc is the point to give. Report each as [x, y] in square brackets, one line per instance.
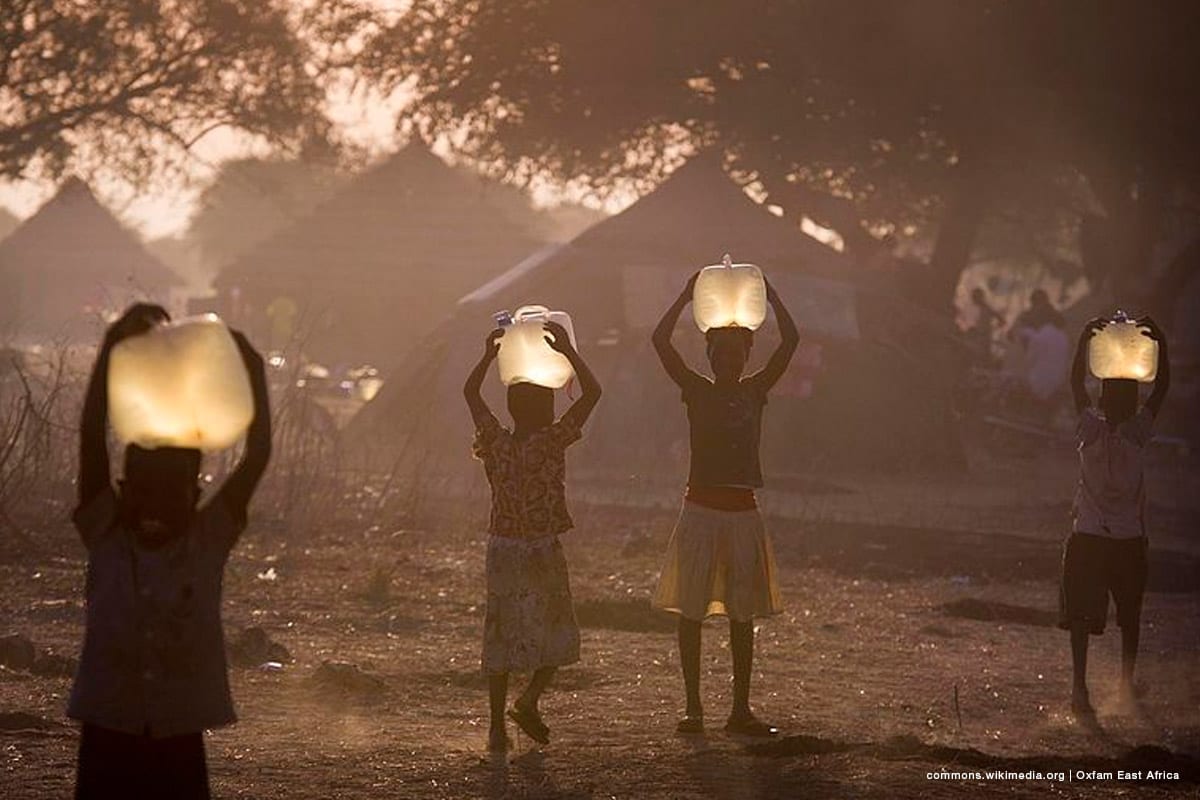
[1121, 350]
[728, 294]
[525, 356]
[181, 384]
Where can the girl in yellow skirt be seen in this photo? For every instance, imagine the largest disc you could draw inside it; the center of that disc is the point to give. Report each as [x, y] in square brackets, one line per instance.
[530, 620]
[719, 560]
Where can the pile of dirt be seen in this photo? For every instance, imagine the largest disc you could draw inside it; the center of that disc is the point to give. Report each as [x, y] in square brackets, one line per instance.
[343, 681]
[254, 647]
[18, 652]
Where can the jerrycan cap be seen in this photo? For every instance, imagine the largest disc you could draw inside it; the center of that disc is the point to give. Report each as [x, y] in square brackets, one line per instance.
[503, 319]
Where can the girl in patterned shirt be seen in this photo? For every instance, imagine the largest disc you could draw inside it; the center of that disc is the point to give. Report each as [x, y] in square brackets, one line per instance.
[530, 621]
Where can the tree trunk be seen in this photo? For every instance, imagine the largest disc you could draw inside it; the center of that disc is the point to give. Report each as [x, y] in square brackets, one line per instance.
[1172, 283]
[960, 223]
[1118, 250]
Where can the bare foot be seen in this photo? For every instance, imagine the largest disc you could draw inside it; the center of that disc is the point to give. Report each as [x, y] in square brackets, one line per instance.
[498, 741]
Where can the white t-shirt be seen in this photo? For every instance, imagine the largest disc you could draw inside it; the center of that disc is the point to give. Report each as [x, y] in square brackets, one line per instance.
[1111, 497]
[1049, 354]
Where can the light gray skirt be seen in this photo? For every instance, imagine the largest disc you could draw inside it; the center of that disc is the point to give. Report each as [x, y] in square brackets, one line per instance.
[530, 621]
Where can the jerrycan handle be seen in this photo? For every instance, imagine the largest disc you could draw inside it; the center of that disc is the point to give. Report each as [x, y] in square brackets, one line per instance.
[530, 312]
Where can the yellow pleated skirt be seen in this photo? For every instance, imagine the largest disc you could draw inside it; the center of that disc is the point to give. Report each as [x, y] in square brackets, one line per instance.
[719, 563]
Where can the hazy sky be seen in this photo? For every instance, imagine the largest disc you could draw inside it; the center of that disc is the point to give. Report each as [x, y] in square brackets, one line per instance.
[368, 120]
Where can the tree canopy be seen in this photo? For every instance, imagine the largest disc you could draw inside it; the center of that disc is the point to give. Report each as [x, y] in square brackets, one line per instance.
[133, 84]
[867, 116]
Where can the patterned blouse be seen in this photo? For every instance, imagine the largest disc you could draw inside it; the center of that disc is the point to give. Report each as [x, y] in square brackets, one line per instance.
[527, 477]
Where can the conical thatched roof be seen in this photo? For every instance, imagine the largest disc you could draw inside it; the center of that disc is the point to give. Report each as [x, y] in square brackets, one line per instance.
[382, 261]
[616, 279]
[71, 262]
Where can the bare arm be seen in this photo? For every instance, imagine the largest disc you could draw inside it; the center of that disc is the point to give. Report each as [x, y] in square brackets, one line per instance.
[671, 360]
[475, 401]
[789, 339]
[1162, 380]
[94, 476]
[1079, 365]
[240, 486]
[559, 341]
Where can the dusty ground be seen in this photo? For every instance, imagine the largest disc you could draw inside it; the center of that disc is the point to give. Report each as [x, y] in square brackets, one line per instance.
[901, 594]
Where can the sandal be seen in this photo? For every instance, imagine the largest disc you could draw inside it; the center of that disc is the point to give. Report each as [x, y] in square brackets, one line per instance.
[690, 724]
[750, 725]
[530, 722]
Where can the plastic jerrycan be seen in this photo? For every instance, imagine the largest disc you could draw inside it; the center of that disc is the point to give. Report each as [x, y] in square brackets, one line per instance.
[1120, 350]
[525, 356]
[728, 294]
[181, 384]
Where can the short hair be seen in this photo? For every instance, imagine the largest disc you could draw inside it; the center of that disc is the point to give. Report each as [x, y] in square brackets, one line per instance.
[730, 333]
[164, 463]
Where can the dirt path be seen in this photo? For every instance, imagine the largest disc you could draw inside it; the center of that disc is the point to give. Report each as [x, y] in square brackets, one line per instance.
[885, 625]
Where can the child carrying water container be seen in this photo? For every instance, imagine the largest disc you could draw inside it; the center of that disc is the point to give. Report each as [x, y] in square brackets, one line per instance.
[719, 559]
[152, 677]
[1106, 551]
[530, 620]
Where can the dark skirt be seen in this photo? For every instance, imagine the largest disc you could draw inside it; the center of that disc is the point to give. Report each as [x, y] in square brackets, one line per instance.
[115, 764]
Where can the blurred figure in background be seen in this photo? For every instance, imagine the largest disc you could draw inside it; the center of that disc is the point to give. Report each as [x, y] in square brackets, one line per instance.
[720, 560]
[530, 620]
[152, 677]
[1106, 551]
[1040, 312]
[1045, 354]
[982, 333]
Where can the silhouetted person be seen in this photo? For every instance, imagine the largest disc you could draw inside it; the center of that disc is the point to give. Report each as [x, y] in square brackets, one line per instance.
[719, 560]
[980, 335]
[1106, 551]
[530, 620]
[152, 676]
[1040, 312]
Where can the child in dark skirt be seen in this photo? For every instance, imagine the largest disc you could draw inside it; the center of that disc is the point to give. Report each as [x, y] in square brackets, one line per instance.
[1106, 551]
[152, 677]
[530, 620]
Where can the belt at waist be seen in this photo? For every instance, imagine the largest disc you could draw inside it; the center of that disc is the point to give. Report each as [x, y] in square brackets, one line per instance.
[722, 498]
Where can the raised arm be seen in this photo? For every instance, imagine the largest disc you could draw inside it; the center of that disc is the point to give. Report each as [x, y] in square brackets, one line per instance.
[671, 360]
[475, 401]
[1162, 380]
[789, 340]
[94, 474]
[559, 341]
[239, 488]
[1079, 365]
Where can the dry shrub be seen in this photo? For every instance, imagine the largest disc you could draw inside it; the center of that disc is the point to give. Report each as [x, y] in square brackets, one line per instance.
[40, 401]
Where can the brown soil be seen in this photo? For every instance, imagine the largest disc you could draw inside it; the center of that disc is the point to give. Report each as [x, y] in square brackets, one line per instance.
[892, 614]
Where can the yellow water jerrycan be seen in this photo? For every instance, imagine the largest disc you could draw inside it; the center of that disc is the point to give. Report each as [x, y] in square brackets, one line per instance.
[1121, 350]
[525, 356]
[180, 384]
[728, 294]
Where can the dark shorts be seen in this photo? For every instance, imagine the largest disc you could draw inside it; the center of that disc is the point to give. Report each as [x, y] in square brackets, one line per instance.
[1095, 567]
[114, 764]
